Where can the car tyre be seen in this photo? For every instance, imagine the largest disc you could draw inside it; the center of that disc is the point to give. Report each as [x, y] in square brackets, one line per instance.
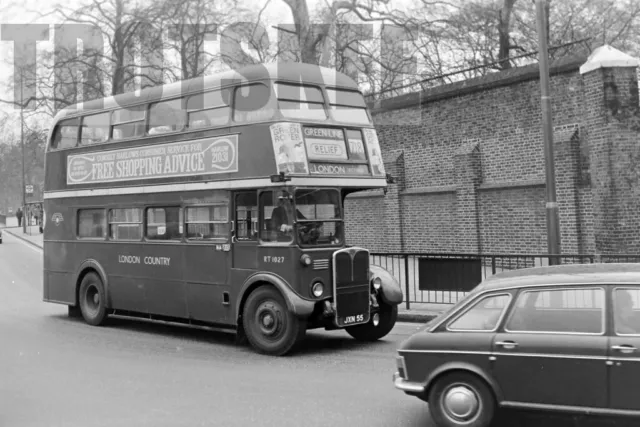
[269, 325]
[93, 301]
[369, 332]
[461, 400]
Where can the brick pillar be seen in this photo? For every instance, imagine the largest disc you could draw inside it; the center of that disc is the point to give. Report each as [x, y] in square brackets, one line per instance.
[392, 205]
[566, 141]
[613, 121]
[468, 172]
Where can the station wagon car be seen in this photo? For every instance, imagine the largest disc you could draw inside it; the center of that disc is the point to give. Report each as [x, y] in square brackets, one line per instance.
[563, 338]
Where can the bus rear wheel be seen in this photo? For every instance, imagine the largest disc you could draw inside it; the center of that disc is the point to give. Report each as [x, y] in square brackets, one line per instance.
[387, 317]
[93, 301]
[269, 326]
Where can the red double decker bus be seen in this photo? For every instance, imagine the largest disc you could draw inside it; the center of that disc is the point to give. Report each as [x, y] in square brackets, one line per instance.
[218, 202]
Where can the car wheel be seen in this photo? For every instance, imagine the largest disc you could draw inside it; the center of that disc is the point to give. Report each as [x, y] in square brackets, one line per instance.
[388, 315]
[461, 400]
[269, 325]
[93, 301]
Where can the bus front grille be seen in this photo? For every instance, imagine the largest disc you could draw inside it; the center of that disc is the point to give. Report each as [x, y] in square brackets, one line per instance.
[351, 286]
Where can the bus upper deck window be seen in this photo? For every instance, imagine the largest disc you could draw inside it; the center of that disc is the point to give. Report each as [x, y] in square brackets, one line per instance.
[209, 109]
[95, 129]
[300, 102]
[128, 122]
[348, 106]
[252, 103]
[166, 116]
[66, 134]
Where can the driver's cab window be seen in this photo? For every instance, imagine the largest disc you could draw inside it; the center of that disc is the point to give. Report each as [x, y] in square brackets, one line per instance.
[246, 216]
[483, 316]
[276, 208]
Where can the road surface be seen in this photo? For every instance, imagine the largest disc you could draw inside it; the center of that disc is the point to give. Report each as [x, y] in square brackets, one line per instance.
[56, 371]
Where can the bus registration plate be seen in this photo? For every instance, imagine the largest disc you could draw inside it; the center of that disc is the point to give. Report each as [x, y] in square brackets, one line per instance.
[358, 318]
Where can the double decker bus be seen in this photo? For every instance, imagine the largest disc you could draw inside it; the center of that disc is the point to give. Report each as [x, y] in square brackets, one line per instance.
[218, 202]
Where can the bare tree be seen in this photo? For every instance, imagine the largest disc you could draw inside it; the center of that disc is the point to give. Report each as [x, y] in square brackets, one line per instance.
[614, 22]
[123, 25]
[190, 24]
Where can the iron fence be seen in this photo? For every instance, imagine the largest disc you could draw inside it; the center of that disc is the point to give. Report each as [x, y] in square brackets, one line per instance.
[446, 278]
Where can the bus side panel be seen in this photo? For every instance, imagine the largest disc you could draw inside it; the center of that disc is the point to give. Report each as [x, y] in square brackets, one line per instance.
[121, 261]
[58, 255]
[205, 273]
[161, 268]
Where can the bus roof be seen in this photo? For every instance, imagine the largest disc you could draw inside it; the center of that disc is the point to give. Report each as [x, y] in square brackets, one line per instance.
[285, 71]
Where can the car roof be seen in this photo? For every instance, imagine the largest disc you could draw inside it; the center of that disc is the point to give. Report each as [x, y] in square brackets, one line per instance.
[564, 275]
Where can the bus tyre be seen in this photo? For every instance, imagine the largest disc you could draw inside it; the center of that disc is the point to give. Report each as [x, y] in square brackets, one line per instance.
[269, 326]
[93, 301]
[370, 332]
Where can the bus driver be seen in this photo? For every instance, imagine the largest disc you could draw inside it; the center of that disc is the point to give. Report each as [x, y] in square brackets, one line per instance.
[282, 214]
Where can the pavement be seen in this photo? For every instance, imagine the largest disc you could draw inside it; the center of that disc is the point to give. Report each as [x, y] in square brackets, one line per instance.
[60, 372]
[417, 312]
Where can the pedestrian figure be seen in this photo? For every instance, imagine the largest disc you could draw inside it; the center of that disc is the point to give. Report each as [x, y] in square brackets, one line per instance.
[19, 216]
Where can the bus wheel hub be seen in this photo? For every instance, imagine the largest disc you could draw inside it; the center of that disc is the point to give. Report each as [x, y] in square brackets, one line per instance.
[268, 319]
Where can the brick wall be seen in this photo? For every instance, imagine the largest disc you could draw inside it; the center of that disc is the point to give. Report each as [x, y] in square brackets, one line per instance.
[473, 166]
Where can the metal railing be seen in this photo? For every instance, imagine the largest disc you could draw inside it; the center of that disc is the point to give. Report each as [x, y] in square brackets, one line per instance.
[462, 272]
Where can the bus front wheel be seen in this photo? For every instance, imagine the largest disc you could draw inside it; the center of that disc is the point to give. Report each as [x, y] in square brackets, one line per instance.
[269, 326]
[93, 301]
[388, 315]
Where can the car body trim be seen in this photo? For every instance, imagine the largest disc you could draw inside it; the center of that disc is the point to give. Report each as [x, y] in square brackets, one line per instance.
[498, 354]
[623, 359]
[562, 408]
[587, 334]
[488, 353]
[553, 356]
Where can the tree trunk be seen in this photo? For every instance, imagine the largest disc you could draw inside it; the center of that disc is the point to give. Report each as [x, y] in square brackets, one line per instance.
[504, 24]
[307, 39]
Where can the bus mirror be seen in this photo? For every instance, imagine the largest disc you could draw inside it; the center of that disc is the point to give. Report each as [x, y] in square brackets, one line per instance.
[280, 178]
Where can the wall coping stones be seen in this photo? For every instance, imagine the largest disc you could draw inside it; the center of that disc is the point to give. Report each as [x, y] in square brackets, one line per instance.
[608, 57]
[478, 84]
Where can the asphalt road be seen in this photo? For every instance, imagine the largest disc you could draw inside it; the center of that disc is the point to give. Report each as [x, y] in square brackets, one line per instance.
[56, 371]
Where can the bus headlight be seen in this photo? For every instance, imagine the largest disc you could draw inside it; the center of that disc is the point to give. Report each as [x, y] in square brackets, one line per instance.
[377, 283]
[317, 289]
[305, 259]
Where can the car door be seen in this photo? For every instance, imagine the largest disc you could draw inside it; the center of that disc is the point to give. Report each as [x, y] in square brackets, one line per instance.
[624, 348]
[552, 348]
[464, 339]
